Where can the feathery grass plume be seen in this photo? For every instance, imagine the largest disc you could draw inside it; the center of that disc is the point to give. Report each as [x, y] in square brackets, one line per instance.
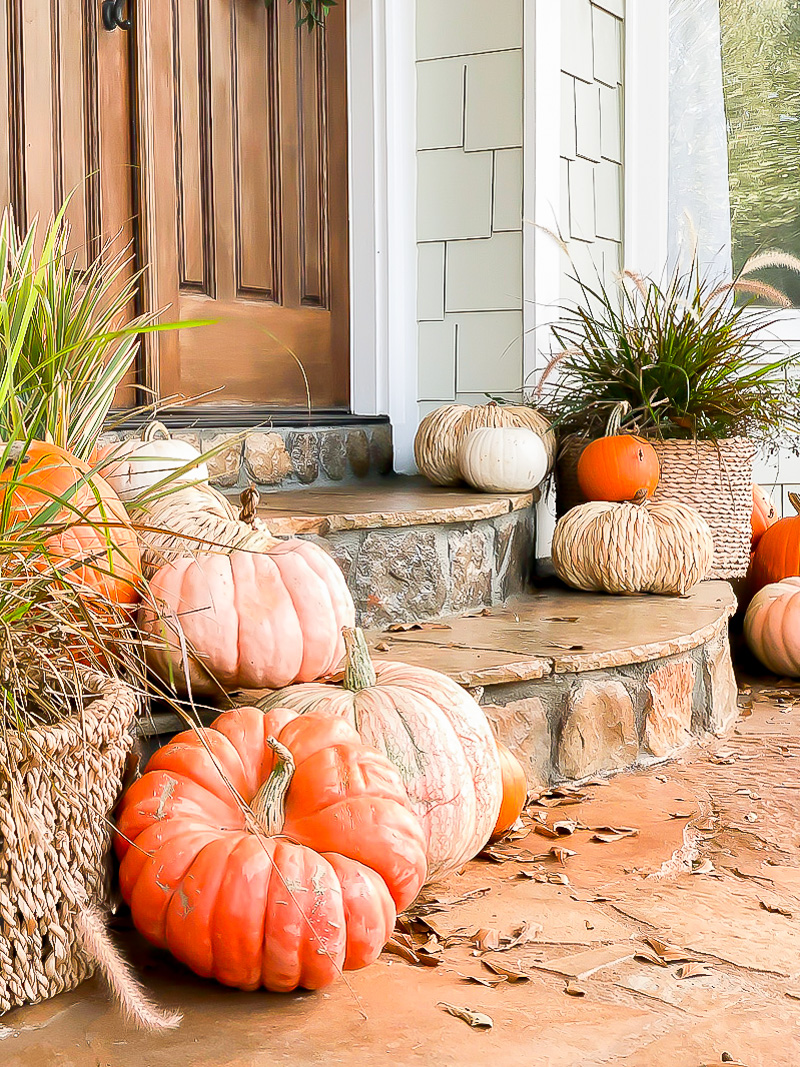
[688, 354]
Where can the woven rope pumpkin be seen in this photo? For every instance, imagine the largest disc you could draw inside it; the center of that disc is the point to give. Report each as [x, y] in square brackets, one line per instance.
[632, 548]
[442, 432]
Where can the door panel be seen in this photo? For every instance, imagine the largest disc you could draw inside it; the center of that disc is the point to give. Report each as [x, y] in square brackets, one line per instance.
[246, 197]
[68, 123]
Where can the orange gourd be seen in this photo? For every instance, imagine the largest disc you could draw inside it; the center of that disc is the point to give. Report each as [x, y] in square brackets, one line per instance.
[287, 870]
[765, 514]
[102, 553]
[618, 466]
[777, 555]
[515, 791]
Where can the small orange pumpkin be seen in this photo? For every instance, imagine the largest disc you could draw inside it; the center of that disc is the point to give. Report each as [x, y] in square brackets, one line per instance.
[619, 465]
[765, 514]
[777, 555]
[515, 791]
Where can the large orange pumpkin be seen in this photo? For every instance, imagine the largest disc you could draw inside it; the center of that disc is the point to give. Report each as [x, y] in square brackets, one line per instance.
[515, 791]
[252, 620]
[765, 514]
[619, 466]
[305, 883]
[434, 733]
[102, 552]
[777, 555]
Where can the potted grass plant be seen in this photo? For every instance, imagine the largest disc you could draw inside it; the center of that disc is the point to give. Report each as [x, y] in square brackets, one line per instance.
[690, 366]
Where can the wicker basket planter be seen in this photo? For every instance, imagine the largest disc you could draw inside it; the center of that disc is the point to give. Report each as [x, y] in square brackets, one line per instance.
[714, 477]
[55, 839]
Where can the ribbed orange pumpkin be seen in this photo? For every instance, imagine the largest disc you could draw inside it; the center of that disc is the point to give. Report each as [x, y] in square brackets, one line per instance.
[777, 555]
[515, 791]
[619, 466]
[102, 553]
[765, 514]
[305, 883]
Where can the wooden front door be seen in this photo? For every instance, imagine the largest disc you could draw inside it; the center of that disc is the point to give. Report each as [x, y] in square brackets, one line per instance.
[211, 135]
[244, 201]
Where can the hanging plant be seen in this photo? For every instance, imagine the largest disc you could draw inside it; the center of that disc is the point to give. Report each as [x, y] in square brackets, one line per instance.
[310, 13]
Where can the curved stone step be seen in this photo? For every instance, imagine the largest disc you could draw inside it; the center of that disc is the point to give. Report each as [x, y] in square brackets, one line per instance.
[412, 551]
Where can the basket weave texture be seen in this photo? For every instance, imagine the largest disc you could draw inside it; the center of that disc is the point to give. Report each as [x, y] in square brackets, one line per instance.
[713, 477]
[55, 841]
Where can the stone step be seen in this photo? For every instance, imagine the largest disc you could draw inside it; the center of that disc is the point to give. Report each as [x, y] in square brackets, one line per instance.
[579, 684]
[411, 551]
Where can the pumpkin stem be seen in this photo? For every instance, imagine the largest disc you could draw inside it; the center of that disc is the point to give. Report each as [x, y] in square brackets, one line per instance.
[269, 803]
[154, 430]
[359, 673]
[640, 498]
[617, 415]
[249, 499]
[794, 500]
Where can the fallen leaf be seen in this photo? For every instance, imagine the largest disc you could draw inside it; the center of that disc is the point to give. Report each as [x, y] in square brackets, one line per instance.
[495, 854]
[670, 953]
[574, 990]
[482, 614]
[476, 1019]
[556, 878]
[561, 618]
[650, 957]
[558, 797]
[544, 830]
[510, 974]
[382, 646]
[565, 827]
[432, 947]
[479, 979]
[775, 909]
[693, 970]
[562, 854]
[793, 994]
[681, 814]
[407, 627]
[520, 935]
[751, 817]
[703, 867]
[607, 834]
[401, 946]
[486, 940]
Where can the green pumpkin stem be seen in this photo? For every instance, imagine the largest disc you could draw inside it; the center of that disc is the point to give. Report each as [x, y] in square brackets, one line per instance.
[614, 426]
[269, 803]
[359, 673]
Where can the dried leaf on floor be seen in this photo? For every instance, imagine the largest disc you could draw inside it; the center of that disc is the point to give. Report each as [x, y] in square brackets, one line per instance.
[407, 627]
[561, 618]
[565, 827]
[401, 945]
[432, 947]
[751, 817]
[681, 814]
[497, 854]
[774, 908]
[382, 646]
[544, 830]
[722, 759]
[558, 797]
[519, 935]
[486, 940]
[562, 854]
[704, 866]
[476, 1019]
[572, 989]
[509, 974]
[693, 970]
[670, 953]
[607, 834]
[650, 957]
[482, 979]
[792, 994]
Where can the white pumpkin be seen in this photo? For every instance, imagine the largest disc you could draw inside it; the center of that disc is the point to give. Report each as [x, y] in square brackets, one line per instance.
[503, 459]
[131, 467]
[772, 627]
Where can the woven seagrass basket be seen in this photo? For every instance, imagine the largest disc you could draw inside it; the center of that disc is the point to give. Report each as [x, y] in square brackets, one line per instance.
[55, 840]
[714, 477]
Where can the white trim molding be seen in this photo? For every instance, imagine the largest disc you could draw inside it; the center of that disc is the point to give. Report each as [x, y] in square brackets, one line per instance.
[646, 136]
[383, 216]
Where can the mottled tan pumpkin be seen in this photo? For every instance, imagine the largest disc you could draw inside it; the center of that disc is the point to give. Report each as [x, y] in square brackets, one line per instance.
[632, 548]
[772, 626]
[441, 433]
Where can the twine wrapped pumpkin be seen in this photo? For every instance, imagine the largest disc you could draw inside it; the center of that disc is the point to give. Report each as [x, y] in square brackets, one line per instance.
[442, 432]
[632, 548]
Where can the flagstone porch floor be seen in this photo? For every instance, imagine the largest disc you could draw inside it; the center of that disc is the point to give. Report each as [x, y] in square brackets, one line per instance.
[713, 870]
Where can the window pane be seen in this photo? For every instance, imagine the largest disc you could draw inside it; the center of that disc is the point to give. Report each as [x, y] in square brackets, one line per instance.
[761, 70]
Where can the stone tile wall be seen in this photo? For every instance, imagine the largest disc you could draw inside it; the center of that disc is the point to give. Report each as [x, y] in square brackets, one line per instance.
[283, 458]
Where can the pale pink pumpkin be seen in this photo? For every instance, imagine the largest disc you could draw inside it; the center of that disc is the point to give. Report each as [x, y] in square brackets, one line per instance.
[435, 734]
[251, 620]
[772, 626]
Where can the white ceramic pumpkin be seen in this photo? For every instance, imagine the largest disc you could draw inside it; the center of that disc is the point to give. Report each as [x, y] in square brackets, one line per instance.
[503, 459]
[772, 627]
[131, 467]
